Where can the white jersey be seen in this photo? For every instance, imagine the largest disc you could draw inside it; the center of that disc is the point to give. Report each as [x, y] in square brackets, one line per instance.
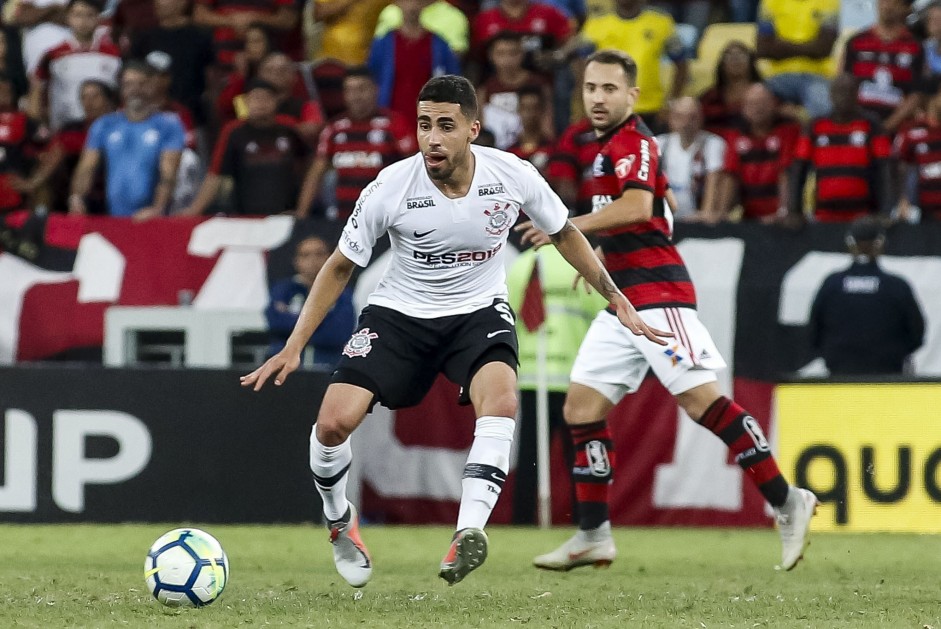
[686, 169]
[447, 254]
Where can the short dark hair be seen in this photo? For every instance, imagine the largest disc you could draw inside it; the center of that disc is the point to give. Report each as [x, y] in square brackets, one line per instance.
[531, 90]
[106, 90]
[510, 36]
[138, 65]
[97, 5]
[451, 88]
[486, 138]
[260, 84]
[616, 57]
[361, 72]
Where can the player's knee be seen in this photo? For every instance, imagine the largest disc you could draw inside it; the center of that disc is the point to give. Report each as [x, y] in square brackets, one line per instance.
[331, 429]
[697, 401]
[501, 404]
[575, 414]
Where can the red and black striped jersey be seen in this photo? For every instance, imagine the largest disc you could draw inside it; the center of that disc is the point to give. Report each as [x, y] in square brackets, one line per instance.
[920, 145]
[758, 163]
[572, 161]
[641, 258]
[536, 154]
[718, 116]
[843, 155]
[17, 146]
[888, 71]
[359, 149]
[543, 27]
[227, 40]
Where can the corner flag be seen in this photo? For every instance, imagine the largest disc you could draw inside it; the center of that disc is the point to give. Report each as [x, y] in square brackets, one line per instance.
[533, 308]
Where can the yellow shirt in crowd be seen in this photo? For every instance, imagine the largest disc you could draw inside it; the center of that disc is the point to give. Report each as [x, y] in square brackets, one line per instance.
[348, 36]
[441, 18]
[798, 22]
[646, 38]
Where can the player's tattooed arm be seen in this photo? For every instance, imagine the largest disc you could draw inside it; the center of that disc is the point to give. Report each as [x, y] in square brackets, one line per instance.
[575, 248]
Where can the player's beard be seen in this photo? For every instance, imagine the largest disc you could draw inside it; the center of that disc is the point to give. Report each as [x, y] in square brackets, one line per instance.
[445, 170]
[615, 118]
[441, 172]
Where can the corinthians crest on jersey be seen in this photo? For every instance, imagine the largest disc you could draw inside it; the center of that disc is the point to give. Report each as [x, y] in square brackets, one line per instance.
[499, 218]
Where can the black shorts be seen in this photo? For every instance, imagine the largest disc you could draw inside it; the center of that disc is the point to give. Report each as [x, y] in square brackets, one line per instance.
[398, 357]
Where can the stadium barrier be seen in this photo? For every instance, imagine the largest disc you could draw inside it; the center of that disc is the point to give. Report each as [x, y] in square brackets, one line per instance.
[162, 445]
[190, 445]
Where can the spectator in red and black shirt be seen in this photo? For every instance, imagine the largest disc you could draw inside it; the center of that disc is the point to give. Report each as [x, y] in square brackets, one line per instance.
[357, 145]
[758, 157]
[497, 96]
[569, 170]
[544, 29]
[533, 143]
[721, 104]
[278, 70]
[889, 61]
[264, 156]
[231, 18]
[919, 147]
[17, 148]
[257, 45]
[57, 163]
[849, 152]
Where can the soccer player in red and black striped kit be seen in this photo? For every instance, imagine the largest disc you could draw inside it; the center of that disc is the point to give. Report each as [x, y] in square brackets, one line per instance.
[634, 225]
[849, 152]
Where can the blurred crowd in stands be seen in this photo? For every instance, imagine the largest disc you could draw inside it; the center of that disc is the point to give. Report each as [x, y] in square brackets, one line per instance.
[773, 111]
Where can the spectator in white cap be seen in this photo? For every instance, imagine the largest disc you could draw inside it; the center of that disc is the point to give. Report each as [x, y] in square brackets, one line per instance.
[162, 63]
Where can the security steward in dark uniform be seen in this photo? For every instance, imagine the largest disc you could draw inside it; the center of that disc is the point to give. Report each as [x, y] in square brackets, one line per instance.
[865, 321]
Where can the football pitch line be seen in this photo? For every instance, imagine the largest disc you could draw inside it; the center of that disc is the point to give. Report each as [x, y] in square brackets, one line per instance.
[92, 576]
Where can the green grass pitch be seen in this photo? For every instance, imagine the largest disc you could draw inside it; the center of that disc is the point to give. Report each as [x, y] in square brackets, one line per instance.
[92, 576]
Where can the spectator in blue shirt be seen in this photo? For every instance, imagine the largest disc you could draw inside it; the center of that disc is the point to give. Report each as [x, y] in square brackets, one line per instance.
[288, 297]
[141, 150]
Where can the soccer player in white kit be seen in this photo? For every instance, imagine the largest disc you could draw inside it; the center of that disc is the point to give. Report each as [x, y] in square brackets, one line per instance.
[635, 226]
[440, 307]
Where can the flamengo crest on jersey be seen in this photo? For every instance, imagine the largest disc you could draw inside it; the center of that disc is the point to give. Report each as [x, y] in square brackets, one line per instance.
[447, 254]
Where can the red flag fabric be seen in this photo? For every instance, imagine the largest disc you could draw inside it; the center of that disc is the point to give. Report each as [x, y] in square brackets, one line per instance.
[533, 308]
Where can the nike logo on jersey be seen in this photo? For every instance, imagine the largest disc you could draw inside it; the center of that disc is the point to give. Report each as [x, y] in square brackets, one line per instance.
[493, 334]
[422, 234]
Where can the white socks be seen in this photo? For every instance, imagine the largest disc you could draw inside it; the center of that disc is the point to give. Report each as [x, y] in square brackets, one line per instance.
[485, 472]
[330, 465]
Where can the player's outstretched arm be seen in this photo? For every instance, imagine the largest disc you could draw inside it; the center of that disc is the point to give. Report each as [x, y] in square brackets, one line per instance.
[330, 282]
[634, 206]
[575, 248]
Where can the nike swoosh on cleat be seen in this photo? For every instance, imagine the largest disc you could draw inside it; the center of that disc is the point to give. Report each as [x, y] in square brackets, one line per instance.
[493, 334]
[422, 234]
[579, 555]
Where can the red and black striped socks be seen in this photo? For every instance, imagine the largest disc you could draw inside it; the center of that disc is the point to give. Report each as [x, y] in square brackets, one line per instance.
[744, 437]
[594, 460]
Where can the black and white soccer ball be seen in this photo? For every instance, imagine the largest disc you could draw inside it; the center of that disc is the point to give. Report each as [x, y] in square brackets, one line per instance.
[186, 568]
